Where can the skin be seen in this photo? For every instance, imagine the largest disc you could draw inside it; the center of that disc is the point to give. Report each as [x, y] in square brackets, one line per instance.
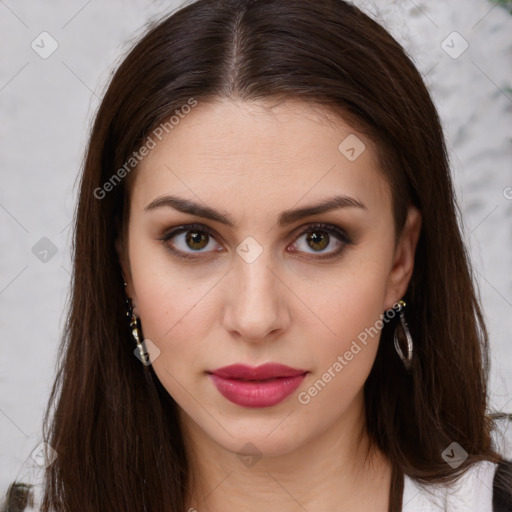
[253, 161]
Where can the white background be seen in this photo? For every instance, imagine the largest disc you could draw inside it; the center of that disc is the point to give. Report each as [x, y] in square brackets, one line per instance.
[46, 108]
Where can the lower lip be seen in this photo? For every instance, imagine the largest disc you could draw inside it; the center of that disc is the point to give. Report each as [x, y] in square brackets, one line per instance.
[264, 393]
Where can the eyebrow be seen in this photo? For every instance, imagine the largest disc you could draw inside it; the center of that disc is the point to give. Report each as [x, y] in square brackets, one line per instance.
[285, 218]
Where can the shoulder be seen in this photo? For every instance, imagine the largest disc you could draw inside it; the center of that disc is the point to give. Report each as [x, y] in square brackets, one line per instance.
[502, 483]
[473, 491]
[502, 496]
[502, 435]
[484, 487]
[25, 492]
[21, 497]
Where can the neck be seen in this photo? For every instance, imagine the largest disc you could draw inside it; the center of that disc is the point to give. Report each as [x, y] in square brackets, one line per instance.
[339, 470]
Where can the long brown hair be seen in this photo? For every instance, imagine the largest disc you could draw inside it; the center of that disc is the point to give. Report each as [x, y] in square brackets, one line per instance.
[110, 420]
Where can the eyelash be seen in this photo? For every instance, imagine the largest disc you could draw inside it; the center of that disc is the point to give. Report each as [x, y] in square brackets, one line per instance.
[201, 228]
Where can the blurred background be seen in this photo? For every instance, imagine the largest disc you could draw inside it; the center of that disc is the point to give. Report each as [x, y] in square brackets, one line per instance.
[55, 61]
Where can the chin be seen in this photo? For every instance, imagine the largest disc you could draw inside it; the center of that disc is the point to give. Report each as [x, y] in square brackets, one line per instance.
[260, 438]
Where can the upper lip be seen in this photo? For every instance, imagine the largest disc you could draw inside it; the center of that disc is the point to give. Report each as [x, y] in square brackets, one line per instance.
[262, 372]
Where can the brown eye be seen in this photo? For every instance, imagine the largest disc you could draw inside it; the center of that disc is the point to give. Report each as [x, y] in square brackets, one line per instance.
[196, 239]
[318, 240]
[319, 237]
[184, 241]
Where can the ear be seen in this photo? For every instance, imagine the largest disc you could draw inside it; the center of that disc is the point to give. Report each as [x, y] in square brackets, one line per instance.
[403, 260]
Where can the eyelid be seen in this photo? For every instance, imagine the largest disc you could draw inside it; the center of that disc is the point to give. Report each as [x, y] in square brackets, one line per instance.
[338, 232]
[332, 229]
[183, 228]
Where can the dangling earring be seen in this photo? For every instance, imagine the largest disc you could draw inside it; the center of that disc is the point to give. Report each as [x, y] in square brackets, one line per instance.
[407, 360]
[136, 331]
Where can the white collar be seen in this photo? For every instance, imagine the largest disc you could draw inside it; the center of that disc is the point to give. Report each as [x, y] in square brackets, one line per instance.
[471, 492]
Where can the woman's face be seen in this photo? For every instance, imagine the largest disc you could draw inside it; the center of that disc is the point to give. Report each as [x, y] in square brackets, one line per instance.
[270, 286]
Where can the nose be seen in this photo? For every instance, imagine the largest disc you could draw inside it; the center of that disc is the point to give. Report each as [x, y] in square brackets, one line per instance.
[256, 307]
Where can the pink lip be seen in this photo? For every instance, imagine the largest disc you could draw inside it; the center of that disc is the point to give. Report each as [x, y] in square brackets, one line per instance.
[260, 386]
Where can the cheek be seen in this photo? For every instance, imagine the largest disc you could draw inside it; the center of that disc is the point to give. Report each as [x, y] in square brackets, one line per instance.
[344, 362]
[174, 315]
[177, 307]
[174, 319]
[351, 301]
[168, 304]
[165, 294]
[351, 312]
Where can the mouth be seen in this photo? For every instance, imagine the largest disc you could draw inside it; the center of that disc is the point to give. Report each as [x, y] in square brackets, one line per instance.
[261, 386]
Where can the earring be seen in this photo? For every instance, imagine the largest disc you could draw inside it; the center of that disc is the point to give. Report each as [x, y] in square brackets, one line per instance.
[136, 332]
[407, 360]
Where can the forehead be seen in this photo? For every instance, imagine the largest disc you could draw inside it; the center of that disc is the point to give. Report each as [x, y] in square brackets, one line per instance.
[259, 153]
